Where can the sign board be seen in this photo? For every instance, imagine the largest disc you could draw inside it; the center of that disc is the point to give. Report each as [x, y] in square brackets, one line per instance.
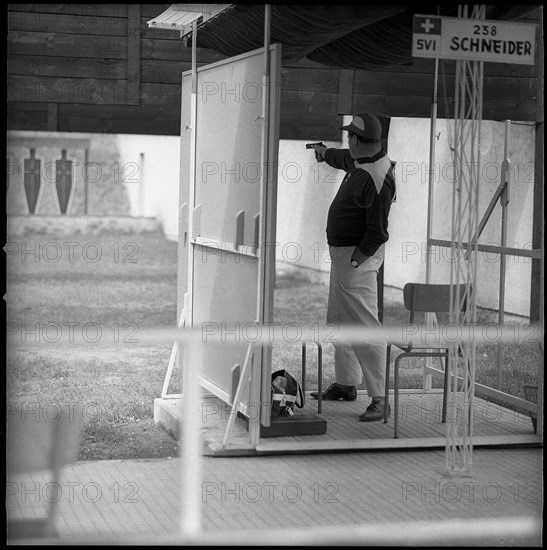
[473, 39]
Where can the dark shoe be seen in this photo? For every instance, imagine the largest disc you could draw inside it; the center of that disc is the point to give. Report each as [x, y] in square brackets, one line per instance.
[335, 392]
[374, 412]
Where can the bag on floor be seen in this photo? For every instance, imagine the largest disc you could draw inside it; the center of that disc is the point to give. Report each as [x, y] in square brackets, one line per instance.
[286, 393]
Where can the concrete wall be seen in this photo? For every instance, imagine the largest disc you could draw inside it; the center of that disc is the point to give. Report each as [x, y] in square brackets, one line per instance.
[143, 173]
[106, 194]
[127, 175]
[306, 188]
[305, 191]
[150, 173]
[405, 253]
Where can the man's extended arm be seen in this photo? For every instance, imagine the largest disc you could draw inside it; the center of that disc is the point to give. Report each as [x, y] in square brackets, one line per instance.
[337, 158]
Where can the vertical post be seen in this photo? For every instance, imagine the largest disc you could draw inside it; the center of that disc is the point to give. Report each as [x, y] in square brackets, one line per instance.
[463, 271]
[536, 286]
[141, 185]
[133, 54]
[52, 116]
[504, 200]
[432, 137]
[538, 271]
[192, 180]
[190, 519]
[254, 409]
[426, 380]
[266, 255]
[86, 188]
[263, 163]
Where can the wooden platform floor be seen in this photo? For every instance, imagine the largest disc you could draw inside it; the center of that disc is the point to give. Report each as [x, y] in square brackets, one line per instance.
[420, 426]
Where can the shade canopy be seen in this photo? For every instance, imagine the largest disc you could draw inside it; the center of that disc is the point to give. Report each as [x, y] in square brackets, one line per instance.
[347, 36]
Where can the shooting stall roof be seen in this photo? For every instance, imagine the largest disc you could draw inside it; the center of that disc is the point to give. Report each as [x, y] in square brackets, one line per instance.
[355, 37]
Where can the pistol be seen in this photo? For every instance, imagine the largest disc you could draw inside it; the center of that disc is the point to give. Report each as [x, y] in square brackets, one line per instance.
[318, 157]
[310, 145]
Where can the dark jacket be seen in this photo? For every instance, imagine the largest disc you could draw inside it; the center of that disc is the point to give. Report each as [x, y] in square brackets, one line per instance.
[358, 215]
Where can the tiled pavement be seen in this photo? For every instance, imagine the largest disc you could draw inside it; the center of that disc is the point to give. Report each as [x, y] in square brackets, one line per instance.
[360, 495]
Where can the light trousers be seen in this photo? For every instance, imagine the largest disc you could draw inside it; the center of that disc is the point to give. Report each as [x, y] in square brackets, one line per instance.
[353, 300]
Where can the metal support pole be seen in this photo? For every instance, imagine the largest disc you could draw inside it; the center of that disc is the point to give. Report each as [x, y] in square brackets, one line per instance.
[539, 226]
[192, 180]
[190, 518]
[86, 183]
[432, 138]
[426, 381]
[265, 351]
[141, 186]
[504, 200]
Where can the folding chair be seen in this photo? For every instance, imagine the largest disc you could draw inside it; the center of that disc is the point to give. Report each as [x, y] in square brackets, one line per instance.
[423, 298]
[37, 442]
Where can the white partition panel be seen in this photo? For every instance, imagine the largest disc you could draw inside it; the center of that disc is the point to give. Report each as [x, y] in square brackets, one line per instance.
[227, 207]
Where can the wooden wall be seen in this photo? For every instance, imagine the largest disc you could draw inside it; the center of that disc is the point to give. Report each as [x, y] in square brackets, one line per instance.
[99, 68]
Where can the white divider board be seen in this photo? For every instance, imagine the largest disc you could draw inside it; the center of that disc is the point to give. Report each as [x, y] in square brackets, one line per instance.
[229, 139]
[224, 293]
[224, 303]
[184, 193]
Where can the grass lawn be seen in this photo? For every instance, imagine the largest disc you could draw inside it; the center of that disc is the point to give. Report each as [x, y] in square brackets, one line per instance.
[125, 282]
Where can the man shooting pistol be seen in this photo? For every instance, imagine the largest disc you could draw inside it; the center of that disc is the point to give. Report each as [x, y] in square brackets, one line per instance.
[357, 223]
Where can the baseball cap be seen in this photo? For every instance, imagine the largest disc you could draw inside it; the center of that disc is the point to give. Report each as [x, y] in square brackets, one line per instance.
[366, 126]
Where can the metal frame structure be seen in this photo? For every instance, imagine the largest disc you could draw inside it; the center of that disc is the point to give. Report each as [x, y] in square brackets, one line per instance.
[464, 248]
[465, 203]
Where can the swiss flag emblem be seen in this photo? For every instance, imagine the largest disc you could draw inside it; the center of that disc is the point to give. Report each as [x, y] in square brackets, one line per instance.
[426, 24]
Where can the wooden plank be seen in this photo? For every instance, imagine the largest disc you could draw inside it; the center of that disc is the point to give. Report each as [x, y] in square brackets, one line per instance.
[315, 80]
[176, 51]
[406, 106]
[118, 126]
[87, 91]
[160, 94]
[293, 88]
[27, 116]
[448, 67]
[66, 45]
[66, 90]
[67, 23]
[133, 54]
[415, 85]
[167, 72]
[67, 67]
[308, 102]
[345, 91]
[426, 67]
[310, 127]
[85, 9]
[121, 112]
[52, 117]
[63, 21]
